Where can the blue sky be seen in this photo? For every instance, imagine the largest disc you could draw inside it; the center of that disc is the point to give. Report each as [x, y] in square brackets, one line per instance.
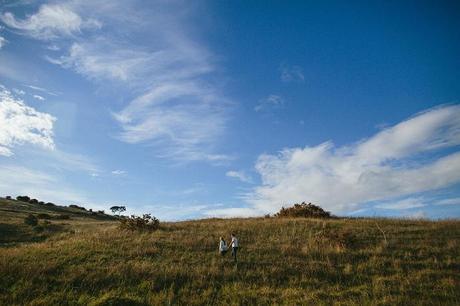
[192, 109]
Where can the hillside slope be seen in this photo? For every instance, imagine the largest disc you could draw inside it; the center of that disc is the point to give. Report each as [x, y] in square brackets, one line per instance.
[283, 261]
[53, 219]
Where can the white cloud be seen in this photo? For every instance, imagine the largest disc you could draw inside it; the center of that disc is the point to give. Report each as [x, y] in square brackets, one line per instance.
[375, 169]
[21, 124]
[291, 73]
[269, 103]
[241, 175]
[118, 172]
[3, 41]
[39, 97]
[50, 22]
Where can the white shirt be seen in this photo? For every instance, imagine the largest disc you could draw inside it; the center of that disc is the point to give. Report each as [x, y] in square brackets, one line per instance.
[234, 242]
[222, 246]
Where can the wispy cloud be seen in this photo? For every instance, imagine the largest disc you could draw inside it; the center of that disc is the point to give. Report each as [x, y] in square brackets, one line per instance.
[75, 162]
[270, 103]
[50, 22]
[3, 41]
[403, 204]
[39, 97]
[118, 172]
[44, 90]
[240, 175]
[20, 124]
[37, 184]
[375, 169]
[291, 73]
[172, 104]
[450, 201]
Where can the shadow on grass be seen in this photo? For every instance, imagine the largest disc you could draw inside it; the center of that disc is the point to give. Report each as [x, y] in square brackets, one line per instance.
[16, 233]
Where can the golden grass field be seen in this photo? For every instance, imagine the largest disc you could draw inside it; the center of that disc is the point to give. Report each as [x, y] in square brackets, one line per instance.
[85, 261]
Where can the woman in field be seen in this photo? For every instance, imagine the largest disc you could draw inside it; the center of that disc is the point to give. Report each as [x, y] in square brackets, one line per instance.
[222, 246]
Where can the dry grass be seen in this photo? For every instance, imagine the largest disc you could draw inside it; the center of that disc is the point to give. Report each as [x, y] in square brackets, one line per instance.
[281, 261]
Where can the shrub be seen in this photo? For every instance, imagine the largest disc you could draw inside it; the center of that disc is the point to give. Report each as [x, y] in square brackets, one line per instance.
[101, 212]
[41, 203]
[77, 207]
[8, 197]
[144, 223]
[23, 198]
[33, 201]
[50, 204]
[304, 210]
[31, 220]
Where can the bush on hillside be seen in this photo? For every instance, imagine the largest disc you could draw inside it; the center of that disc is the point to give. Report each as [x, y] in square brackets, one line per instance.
[31, 220]
[304, 210]
[144, 223]
[77, 207]
[33, 201]
[23, 198]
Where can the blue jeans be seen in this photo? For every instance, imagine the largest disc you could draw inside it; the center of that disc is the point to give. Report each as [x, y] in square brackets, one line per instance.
[234, 251]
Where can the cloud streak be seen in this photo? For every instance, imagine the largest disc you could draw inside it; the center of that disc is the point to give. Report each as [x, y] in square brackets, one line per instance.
[118, 172]
[38, 97]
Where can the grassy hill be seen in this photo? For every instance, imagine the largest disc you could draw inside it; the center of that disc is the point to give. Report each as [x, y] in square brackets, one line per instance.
[53, 219]
[89, 261]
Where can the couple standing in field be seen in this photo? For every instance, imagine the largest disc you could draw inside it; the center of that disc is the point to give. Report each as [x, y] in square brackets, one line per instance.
[223, 248]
